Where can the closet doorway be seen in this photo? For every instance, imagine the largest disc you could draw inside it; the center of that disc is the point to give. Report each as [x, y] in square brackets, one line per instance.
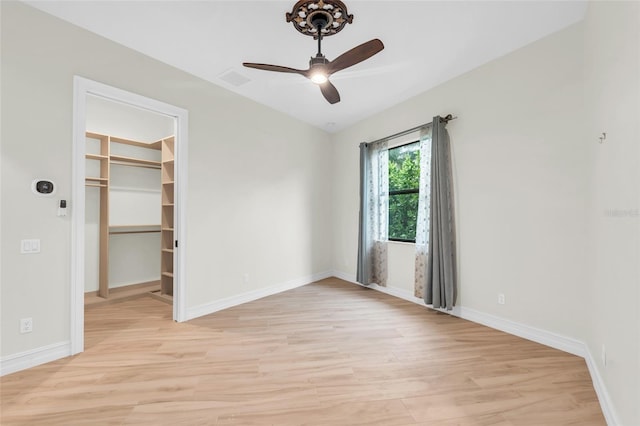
[128, 205]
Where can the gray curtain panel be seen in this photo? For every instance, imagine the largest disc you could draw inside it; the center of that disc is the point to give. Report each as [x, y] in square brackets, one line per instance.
[365, 264]
[441, 277]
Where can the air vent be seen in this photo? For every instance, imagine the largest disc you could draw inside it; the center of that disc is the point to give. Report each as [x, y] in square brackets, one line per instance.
[233, 78]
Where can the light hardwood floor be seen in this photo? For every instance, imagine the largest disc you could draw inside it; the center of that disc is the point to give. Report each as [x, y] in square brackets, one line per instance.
[118, 293]
[329, 353]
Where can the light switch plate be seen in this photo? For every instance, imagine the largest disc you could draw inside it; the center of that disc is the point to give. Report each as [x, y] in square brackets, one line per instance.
[30, 246]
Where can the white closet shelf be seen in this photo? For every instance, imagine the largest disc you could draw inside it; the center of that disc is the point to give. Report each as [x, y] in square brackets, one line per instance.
[168, 274]
[167, 250]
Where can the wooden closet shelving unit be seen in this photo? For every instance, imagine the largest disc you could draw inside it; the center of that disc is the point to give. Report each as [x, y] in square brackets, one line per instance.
[102, 182]
[168, 204]
[106, 159]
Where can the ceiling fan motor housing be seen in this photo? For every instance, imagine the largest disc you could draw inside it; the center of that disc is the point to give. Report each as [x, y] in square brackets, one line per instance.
[329, 15]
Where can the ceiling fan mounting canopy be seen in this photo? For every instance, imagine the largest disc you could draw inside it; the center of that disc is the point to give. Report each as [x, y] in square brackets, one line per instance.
[331, 14]
[320, 19]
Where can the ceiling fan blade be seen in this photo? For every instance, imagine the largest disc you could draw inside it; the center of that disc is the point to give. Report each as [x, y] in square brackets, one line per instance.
[330, 92]
[355, 55]
[276, 68]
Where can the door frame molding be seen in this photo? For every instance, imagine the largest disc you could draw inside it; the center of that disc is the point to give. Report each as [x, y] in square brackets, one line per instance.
[81, 88]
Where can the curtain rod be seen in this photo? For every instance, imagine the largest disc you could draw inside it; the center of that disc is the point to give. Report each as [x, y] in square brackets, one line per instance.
[447, 118]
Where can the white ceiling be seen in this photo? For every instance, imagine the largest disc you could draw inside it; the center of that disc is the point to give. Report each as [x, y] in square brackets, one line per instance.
[426, 43]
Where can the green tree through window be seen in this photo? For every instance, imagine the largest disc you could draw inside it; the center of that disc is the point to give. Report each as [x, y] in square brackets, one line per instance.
[404, 182]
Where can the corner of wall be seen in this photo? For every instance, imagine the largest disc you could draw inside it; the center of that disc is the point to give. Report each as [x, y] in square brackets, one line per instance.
[228, 302]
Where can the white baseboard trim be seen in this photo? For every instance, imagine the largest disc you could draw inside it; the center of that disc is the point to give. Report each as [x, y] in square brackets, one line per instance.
[544, 337]
[606, 404]
[547, 338]
[396, 292]
[33, 357]
[218, 305]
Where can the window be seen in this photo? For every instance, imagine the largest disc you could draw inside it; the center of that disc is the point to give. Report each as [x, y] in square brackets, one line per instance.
[404, 183]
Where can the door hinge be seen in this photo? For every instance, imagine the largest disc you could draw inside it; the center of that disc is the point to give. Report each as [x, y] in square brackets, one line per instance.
[176, 243]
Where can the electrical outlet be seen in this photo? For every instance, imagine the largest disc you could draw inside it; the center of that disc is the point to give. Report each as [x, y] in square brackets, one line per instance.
[501, 299]
[604, 355]
[26, 325]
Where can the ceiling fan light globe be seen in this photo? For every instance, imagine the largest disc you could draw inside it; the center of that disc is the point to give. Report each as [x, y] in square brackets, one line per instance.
[318, 78]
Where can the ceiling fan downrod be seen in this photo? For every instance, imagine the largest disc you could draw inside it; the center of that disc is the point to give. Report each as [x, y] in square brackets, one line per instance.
[319, 22]
[318, 73]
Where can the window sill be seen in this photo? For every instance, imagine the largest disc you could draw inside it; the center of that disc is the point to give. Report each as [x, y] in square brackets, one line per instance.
[404, 243]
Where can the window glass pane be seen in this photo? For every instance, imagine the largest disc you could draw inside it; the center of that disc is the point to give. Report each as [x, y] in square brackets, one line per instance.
[404, 167]
[403, 215]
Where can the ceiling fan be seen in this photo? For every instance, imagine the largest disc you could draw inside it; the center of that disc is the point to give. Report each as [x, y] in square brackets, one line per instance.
[322, 18]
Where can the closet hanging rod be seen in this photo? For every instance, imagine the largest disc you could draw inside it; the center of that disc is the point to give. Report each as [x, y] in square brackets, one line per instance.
[133, 229]
[132, 164]
[134, 160]
[132, 232]
[137, 226]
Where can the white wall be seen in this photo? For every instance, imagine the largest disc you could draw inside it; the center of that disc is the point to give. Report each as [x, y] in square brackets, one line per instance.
[258, 181]
[612, 83]
[519, 180]
[106, 117]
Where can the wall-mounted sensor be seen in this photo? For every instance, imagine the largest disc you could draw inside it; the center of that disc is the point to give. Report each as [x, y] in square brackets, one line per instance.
[43, 187]
[62, 208]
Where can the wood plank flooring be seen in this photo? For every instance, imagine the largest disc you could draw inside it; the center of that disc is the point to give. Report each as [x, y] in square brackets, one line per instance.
[119, 293]
[329, 353]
